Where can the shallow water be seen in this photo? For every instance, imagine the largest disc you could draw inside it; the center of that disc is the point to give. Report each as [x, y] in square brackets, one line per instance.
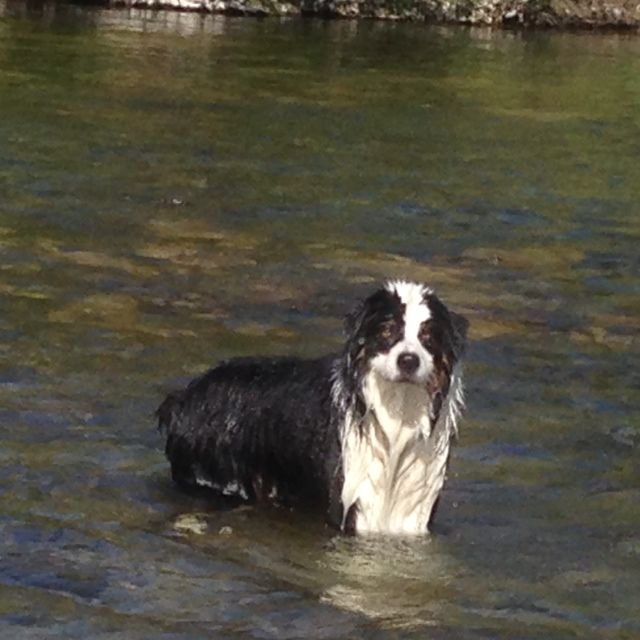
[178, 189]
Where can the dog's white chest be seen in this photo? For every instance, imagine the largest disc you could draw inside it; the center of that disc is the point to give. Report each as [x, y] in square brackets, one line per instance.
[393, 492]
[394, 467]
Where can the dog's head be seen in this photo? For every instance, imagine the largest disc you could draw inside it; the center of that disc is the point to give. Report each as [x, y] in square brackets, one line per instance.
[406, 335]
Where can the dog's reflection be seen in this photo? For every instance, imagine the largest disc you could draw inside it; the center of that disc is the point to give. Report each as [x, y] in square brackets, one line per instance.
[394, 581]
[401, 582]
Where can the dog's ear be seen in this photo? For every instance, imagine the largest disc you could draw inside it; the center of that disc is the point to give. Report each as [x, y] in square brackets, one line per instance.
[355, 320]
[356, 326]
[460, 326]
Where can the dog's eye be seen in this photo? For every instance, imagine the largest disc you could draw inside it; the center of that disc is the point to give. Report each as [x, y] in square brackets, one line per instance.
[387, 331]
[426, 334]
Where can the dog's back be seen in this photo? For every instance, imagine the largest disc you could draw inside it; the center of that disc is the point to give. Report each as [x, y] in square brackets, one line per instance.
[255, 429]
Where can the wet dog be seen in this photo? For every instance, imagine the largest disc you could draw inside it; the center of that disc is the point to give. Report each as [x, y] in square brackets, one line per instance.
[363, 435]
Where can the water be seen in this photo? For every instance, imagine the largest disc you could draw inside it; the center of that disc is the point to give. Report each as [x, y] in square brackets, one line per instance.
[178, 189]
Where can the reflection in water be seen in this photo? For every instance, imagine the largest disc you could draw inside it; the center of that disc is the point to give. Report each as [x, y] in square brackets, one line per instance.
[185, 24]
[369, 572]
[178, 189]
[398, 583]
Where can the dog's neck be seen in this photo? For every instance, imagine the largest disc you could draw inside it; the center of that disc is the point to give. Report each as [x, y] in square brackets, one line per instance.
[399, 409]
[394, 463]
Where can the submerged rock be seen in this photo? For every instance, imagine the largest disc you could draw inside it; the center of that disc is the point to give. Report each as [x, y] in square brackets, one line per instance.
[620, 14]
[190, 523]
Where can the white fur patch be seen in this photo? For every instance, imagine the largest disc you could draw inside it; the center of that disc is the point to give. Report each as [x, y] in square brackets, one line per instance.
[416, 310]
[230, 489]
[408, 292]
[395, 465]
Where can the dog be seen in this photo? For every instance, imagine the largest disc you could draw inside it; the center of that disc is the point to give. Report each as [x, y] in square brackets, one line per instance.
[364, 435]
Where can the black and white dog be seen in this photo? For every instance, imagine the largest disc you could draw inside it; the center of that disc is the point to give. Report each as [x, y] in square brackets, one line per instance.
[364, 434]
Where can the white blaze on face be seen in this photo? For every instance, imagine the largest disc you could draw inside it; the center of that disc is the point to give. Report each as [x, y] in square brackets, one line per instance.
[416, 312]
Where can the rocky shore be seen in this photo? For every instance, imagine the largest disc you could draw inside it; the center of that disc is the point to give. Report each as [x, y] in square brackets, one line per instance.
[590, 14]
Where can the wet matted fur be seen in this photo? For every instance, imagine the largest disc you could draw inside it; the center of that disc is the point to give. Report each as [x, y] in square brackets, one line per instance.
[363, 435]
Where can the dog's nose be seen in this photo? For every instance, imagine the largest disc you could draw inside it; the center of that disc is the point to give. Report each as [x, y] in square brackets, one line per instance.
[408, 362]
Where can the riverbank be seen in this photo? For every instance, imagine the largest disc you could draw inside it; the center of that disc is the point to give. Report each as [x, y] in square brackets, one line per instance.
[586, 14]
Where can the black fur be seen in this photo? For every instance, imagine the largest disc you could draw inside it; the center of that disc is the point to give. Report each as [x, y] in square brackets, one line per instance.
[254, 425]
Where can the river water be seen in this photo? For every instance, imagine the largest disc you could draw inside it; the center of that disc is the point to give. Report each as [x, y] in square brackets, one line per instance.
[177, 188]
